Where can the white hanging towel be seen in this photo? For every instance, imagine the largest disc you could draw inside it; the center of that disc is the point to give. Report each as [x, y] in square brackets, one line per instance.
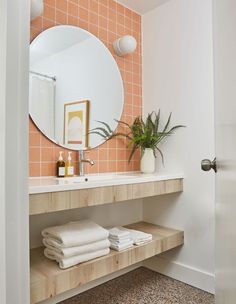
[72, 261]
[42, 102]
[76, 250]
[75, 234]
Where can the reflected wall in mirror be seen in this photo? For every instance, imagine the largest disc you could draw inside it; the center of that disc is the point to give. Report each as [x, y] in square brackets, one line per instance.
[74, 82]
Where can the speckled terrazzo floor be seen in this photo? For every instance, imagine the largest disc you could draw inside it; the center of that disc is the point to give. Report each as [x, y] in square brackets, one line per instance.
[143, 286]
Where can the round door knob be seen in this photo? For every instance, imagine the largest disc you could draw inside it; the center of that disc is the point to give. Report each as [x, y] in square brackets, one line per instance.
[207, 165]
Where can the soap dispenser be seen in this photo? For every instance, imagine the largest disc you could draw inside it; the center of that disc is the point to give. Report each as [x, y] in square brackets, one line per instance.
[61, 172]
[69, 166]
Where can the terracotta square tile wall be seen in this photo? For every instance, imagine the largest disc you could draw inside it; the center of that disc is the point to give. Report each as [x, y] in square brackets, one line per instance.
[108, 20]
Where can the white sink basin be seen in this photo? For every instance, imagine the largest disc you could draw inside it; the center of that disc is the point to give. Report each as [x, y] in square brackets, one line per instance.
[53, 184]
[92, 178]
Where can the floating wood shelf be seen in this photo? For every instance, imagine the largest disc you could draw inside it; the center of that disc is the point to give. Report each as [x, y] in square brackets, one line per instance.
[64, 200]
[48, 280]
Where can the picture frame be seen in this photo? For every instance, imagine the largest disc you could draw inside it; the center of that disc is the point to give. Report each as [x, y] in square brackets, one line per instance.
[76, 124]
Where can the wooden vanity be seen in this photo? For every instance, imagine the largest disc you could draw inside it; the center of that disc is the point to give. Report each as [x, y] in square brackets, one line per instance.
[99, 195]
[47, 279]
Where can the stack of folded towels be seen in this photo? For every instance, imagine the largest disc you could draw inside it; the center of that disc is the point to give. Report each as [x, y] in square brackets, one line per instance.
[122, 238]
[75, 242]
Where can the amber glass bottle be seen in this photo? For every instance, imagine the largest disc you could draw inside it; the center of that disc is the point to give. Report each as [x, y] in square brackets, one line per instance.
[61, 166]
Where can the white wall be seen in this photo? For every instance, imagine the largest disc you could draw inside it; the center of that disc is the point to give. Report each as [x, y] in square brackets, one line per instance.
[178, 77]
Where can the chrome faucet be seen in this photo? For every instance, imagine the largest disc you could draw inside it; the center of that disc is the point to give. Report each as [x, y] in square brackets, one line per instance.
[82, 161]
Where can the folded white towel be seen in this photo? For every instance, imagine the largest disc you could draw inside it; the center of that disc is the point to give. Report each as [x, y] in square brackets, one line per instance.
[123, 241]
[75, 234]
[76, 250]
[119, 233]
[140, 237]
[72, 261]
[120, 247]
[139, 243]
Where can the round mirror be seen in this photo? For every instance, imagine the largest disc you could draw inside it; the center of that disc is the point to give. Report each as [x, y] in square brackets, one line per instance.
[74, 83]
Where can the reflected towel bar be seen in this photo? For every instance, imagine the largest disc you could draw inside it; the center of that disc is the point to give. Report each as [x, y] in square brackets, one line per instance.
[43, 75]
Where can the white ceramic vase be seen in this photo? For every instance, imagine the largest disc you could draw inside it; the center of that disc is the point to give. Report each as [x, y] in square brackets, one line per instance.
[148, 161]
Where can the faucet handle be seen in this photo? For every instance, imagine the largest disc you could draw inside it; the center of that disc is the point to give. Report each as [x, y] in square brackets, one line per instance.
[92, 162]
[81, 154]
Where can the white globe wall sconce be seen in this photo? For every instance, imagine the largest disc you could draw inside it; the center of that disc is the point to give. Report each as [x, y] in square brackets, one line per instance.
[36, 9]
[125, 45]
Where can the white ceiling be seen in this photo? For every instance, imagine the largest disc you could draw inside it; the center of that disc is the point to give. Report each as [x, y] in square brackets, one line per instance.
[142, 6]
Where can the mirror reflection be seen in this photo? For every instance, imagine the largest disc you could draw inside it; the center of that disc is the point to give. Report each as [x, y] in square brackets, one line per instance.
[74, 82]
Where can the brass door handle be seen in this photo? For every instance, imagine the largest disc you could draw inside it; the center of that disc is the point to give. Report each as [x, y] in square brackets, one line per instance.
[207, 165]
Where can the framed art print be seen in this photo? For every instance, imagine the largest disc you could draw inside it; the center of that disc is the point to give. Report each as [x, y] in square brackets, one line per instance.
[76, 124]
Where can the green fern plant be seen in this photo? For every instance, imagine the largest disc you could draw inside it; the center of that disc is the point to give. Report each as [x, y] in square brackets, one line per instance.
[141, 134]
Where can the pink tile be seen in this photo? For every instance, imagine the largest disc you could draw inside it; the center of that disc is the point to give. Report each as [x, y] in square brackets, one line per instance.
[83, 13]
[72, 20]
[45, 142]
[61, 5]
[48, 169]
[94, 6]
[73, 9]
[50, 2]
[61, 17]
[84, 3]
[49, 13]
[47, 23]
[103, 166]
[37, 23]
[47, 154]
[108, 20]
[34, 154]
[34, 139]
[34, 169]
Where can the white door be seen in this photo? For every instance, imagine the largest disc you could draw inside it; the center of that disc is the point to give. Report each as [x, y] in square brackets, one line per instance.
[14, 214]
[225, 128]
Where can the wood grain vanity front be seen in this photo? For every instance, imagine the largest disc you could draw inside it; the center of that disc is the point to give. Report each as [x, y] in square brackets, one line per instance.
[48, 280]
[64, 200]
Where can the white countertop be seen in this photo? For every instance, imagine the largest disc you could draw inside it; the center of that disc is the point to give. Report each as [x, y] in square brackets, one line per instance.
[53, 184]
